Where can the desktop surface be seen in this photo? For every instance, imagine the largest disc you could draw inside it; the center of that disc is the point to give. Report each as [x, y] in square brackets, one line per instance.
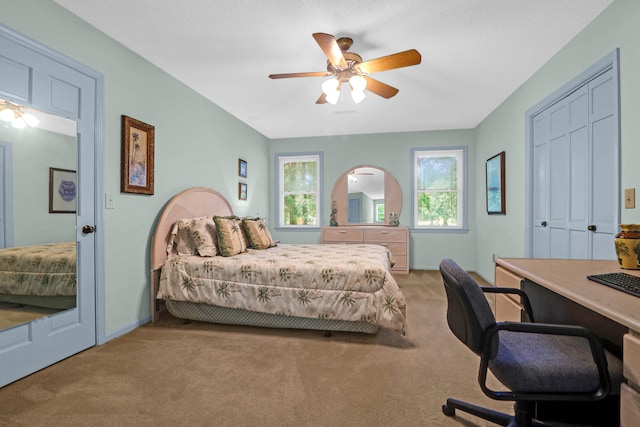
[569, 279]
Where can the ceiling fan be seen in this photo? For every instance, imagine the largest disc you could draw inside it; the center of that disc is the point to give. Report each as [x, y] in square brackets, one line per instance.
[348, 67]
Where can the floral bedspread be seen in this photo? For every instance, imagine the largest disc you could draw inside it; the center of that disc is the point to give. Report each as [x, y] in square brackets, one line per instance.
[343, 282]
[45, 270]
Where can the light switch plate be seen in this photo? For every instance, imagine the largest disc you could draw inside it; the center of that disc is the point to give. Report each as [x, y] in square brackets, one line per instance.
[630, 198]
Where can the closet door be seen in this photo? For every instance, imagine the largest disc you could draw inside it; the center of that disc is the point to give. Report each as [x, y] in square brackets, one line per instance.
[33, 76]
[575, 174]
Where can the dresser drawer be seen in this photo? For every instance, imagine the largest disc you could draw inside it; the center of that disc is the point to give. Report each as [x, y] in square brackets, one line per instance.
[401, 263]
[388, 234]
[396, 249]
[342, 235]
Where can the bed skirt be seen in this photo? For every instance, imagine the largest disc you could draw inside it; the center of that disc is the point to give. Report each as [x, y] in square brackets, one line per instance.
[232, 316]
[61, 302]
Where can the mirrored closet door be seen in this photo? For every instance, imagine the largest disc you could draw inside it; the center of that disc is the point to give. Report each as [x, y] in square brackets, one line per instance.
[48, 213]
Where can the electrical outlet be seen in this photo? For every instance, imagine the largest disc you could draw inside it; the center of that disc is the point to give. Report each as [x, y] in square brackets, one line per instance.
[630, 198]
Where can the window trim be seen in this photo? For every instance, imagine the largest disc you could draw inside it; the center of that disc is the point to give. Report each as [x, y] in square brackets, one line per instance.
[316, 155]
[462, 228]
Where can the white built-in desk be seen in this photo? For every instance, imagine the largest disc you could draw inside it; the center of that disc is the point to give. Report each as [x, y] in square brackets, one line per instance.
[568, 278]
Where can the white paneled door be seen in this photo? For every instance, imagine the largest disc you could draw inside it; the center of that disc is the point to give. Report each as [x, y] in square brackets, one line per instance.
[39, 78]
[575, 180]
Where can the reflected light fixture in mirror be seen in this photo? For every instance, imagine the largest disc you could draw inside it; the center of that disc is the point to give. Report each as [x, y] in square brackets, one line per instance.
[14, 113]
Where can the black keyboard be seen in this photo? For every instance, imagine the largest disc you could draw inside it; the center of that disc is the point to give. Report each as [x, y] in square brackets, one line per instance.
[621, 281]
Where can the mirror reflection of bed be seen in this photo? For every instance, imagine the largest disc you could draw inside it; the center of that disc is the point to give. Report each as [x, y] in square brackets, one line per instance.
[37, 247]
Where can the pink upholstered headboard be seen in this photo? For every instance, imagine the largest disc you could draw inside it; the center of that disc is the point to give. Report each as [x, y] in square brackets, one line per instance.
[190, 203]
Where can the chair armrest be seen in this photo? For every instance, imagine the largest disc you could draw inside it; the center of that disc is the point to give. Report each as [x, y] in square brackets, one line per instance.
[597, 352]
[524, 298]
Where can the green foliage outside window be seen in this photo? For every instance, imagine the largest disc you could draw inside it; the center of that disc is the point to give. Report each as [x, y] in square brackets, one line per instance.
[437, 191]
[379, 212]
[300, 192]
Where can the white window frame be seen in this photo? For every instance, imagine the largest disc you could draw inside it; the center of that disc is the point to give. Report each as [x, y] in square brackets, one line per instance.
[460, 153]
[281, 159]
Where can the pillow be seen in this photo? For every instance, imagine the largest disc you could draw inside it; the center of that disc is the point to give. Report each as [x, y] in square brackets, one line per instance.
[257, 233]
[231, 239]
[195, 236]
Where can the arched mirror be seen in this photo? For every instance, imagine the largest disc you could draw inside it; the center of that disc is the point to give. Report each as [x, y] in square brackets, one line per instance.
[366, 194]
[38, 214]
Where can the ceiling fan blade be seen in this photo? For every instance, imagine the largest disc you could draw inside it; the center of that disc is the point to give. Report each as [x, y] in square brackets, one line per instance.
[322, 99]
[330, 47]
[309, 74]
[379, 88]
[389, 62]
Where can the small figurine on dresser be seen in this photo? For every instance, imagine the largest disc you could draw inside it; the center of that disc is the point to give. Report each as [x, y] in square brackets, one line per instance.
[334, 212]
[394, 219]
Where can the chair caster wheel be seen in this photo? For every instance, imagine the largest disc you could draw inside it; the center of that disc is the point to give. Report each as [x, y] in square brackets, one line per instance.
[448, 410]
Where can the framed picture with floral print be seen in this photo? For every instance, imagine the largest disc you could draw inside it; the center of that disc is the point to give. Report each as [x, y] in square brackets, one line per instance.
[137, 156]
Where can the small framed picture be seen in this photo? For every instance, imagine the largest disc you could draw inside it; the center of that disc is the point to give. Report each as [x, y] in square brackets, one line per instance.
[495, 185]
[242, 168]
[138, 140]
[63, 191]
[242, 191]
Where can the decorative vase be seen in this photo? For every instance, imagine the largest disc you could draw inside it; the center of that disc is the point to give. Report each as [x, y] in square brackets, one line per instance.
[334, 213]
[628, 246]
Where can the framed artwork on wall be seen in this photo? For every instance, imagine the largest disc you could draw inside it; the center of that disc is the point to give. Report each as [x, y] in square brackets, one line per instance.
[242, 168]
[63, 191]
[496, 203]
[242, 191]
[138, 140]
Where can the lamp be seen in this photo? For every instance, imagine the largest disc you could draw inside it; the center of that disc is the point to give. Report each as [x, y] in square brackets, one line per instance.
[10, 112]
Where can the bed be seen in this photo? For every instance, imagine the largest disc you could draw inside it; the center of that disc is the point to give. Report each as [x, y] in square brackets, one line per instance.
[41, 275]
[325, 287]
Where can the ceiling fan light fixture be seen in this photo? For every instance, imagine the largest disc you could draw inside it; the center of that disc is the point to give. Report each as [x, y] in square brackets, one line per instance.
[331, 88]
[358, 83]
[358, 96]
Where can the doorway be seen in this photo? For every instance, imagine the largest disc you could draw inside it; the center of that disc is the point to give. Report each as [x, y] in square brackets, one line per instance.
[35, 77]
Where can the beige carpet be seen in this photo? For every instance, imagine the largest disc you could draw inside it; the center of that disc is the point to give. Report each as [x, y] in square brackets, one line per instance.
[16, 314]
[199, 374]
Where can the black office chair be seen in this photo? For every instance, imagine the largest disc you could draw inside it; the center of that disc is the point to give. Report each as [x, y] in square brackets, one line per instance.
[535, 362]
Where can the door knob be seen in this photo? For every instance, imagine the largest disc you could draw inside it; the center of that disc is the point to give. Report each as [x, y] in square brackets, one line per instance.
[591, 227]
[543, 223]
[88, 229]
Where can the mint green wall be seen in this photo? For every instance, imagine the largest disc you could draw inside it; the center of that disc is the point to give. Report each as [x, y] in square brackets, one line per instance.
[34, 151]
[196, 144]
[616, 27]
[393, 153]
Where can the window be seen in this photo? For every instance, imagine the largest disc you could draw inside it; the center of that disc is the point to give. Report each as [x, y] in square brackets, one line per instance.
[439, 189]
[299, 190]
[378, 206]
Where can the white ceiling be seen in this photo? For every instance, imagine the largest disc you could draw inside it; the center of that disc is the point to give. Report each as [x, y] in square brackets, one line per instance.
[475, 53]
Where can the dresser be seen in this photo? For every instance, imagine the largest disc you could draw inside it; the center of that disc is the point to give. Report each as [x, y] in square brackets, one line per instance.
[396, 239]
